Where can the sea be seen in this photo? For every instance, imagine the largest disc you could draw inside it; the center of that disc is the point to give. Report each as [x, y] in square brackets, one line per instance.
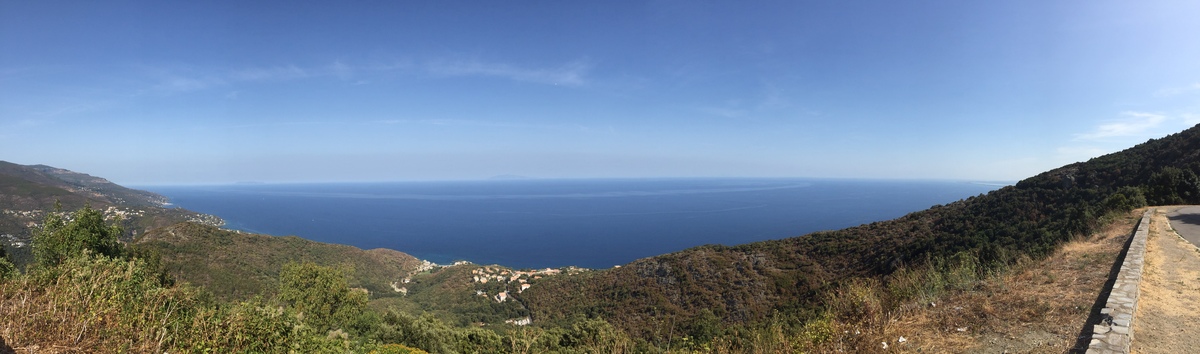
[536, 223]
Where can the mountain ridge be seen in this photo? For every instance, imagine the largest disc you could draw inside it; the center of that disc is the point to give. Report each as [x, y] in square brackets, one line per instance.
[29, 192]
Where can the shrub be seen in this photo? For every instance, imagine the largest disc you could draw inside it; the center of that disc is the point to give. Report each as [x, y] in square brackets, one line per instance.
[60, 239]
[7, 269]
[320, 295]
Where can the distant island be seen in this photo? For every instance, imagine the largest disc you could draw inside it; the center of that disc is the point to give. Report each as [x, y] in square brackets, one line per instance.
[509, 177]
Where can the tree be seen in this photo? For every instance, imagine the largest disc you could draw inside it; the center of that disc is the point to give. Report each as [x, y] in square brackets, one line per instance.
[1172, 185]
[1125, 199]
[321, 295]
[7, 269]
[86, 229]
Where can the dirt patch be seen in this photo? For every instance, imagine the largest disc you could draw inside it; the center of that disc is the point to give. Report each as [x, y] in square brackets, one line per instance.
[1168, 311]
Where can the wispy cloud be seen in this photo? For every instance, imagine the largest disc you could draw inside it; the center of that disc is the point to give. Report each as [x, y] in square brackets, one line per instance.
[770, 101]
[724, 112]
[609, 130]
[342, 70]
[185, 79]
[1079, 153]
[180, 83]
[460, 122]
[1133, 124]
[1190, 119]
[72, 109]
[176, 80]
[1179, 90]
[287, 72]
[569, 74]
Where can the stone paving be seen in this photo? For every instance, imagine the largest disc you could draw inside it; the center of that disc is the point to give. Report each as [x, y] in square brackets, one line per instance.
[1114, 333]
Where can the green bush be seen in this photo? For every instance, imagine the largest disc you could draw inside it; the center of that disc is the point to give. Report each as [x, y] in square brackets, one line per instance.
[59, 239]
[321, 296]
[7, 269]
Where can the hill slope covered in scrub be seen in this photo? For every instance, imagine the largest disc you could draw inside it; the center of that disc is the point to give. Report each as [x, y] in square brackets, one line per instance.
[235, 265]
[673, 293]
[28, 193]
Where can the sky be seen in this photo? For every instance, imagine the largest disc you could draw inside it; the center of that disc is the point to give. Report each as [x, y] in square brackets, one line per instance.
[204, 92]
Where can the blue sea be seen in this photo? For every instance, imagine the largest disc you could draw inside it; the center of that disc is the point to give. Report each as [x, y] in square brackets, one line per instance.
[554, 223]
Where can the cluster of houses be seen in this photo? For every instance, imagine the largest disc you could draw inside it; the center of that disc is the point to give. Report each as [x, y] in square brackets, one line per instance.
[484, 275]
[113, 212]
[31, 217]
[518, 280]
[523, 321]
[12, 240]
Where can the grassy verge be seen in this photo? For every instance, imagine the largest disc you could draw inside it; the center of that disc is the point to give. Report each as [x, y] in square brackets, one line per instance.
[950, 305]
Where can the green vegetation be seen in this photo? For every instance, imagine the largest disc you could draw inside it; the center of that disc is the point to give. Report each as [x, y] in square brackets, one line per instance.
[7, 269]
[240, 266]
[96, 301]
[320, 295]
[84, 231]
[86, 292]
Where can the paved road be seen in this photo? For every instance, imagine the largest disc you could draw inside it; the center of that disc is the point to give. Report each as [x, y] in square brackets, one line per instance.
[1186, 221]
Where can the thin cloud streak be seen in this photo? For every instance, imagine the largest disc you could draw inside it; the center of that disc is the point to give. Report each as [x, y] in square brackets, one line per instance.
[1135, 123]
[499, 124]
[176, 81]
[288, 72]
[570, 74]
[1176, 91]
[1190, 119]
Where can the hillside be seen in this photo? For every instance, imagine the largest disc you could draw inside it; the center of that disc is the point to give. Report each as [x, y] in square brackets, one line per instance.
[656, 296]
[38, 186]
[27, 193]
[236, 265]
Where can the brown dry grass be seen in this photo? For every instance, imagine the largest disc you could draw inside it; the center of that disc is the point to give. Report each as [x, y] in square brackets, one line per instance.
[100, 305]
[1036, 307]
[1169, 302]
[950, 307]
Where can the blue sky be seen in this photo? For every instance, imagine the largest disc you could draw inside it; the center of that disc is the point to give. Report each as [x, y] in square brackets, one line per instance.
[215, 92]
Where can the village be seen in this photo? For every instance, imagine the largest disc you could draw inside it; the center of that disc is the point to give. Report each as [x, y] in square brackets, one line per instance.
[496, 283]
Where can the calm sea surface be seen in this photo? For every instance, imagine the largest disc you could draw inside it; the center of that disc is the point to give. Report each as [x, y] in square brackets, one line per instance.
[553, 223]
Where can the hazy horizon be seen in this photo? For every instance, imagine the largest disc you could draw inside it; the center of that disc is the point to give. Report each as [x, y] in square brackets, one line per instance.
[553, 179]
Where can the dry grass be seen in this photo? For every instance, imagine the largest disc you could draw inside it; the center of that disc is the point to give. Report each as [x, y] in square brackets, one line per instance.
[955, 306]
[105, 305]
[80, 311]
[1032, 307]
[1036, 307]
[1169, 302]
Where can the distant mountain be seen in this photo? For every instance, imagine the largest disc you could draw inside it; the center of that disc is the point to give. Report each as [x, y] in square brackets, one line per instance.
[40, 185]
[509, 177]
[27, 193]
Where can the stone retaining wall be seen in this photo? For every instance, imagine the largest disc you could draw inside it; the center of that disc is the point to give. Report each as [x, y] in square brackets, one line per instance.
[1114, 333]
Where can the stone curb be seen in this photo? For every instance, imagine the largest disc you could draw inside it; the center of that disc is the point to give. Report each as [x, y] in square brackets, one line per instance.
[1114, 333]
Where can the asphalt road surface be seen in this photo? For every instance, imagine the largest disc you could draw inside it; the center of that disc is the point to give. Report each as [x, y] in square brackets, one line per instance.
[1186, 221]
